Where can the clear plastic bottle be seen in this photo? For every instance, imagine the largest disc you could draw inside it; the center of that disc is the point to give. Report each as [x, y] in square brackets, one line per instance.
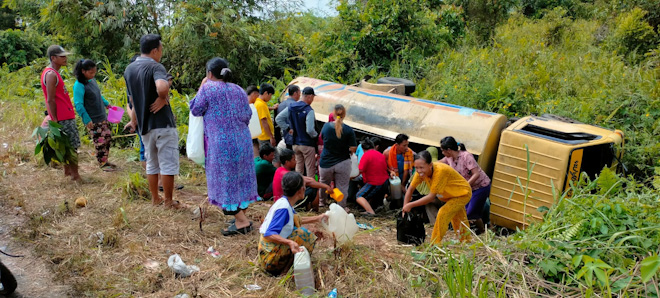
[302, 272]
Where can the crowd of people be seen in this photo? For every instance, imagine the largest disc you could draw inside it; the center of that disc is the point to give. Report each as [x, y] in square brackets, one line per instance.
[297, 173]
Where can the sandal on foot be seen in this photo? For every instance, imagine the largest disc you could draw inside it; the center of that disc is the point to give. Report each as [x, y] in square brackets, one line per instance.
[108, 168]
[367, 214]
[232, 230]
[159, 202]
[176, 205]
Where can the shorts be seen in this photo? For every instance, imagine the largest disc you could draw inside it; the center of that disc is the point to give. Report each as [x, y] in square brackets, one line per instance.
[373, 193]
[70, 128]
[161, 148]
[142, 157]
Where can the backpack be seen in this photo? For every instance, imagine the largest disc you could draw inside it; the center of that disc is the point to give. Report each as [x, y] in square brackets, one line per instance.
[410, 228]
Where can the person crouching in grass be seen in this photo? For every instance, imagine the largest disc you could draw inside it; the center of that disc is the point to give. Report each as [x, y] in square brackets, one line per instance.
[282, 233]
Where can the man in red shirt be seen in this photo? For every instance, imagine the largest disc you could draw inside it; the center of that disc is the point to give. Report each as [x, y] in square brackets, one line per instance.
[58, 103]
[373, 167]
[288, 161]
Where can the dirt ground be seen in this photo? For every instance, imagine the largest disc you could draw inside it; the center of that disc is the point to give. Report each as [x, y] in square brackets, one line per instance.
[65, 255]
[32, 273]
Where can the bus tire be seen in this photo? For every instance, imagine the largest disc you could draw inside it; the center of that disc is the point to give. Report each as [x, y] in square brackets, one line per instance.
[409, 85]
[8, 281]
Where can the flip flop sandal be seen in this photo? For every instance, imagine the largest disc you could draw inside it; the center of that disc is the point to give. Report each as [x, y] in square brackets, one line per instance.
[231, 221]
[176, 205]
[367, 215]
[176, 187]
[160, 201]
[232, 230]
[108, 168]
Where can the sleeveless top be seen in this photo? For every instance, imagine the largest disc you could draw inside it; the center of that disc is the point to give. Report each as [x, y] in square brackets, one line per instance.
[62, 100]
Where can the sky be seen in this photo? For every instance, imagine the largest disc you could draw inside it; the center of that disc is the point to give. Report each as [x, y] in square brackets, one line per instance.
[320, 7]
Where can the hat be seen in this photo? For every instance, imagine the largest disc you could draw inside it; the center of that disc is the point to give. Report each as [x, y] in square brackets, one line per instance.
[308, 91]
[56, 50]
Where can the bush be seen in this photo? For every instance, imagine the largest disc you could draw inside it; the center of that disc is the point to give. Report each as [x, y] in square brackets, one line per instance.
[599, 224]
[19, 47]
[632, 36]
[374, 34]
[483, 16]
[553, 65]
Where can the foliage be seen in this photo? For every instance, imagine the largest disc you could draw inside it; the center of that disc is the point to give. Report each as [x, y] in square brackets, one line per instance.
[136, 187]
[632, 36]
[554, 65]
[7, 18]
[205, 29]
[483, 16]
[596, 237]
[374, 34]
[54, 144]
[100, 29]
[19, 47]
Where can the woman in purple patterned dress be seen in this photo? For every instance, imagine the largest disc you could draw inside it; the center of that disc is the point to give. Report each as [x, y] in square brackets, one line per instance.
[230, 175]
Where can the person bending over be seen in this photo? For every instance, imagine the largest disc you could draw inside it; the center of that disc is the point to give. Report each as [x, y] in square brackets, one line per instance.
[373, 168]
[282, 233]
[446, 185]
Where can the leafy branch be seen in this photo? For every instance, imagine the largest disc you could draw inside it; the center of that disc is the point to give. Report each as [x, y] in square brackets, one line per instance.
[54, 144]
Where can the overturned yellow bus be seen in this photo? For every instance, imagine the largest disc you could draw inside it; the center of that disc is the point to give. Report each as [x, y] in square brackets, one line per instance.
[559, 151]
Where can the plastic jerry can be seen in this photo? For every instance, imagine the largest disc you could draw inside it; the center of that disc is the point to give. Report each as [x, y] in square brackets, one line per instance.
[395, 188]
[302, 272]
[341, 224]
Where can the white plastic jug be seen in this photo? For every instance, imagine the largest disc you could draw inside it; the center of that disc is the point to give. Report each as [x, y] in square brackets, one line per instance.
[303, 274]
[342, 224]
[395, 188]
[255, 126]
[355, 170]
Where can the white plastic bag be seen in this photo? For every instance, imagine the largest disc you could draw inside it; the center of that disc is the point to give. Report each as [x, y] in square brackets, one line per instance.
[195, 140]
[255, 126]
[341, 224]
[179, 267]
[355, 169]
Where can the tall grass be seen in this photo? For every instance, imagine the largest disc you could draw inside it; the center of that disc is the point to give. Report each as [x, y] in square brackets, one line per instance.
[554, 65]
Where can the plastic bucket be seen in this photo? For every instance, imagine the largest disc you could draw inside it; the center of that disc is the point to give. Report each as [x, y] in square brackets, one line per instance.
[115, 113]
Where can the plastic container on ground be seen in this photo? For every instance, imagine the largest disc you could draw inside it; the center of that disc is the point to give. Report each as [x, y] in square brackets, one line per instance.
[395, 188]
[255, 127]
[341, 224]
[115, 113]
[302, 272]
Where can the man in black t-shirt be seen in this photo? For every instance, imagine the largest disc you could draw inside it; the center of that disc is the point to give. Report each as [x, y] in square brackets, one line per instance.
[148, 89]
